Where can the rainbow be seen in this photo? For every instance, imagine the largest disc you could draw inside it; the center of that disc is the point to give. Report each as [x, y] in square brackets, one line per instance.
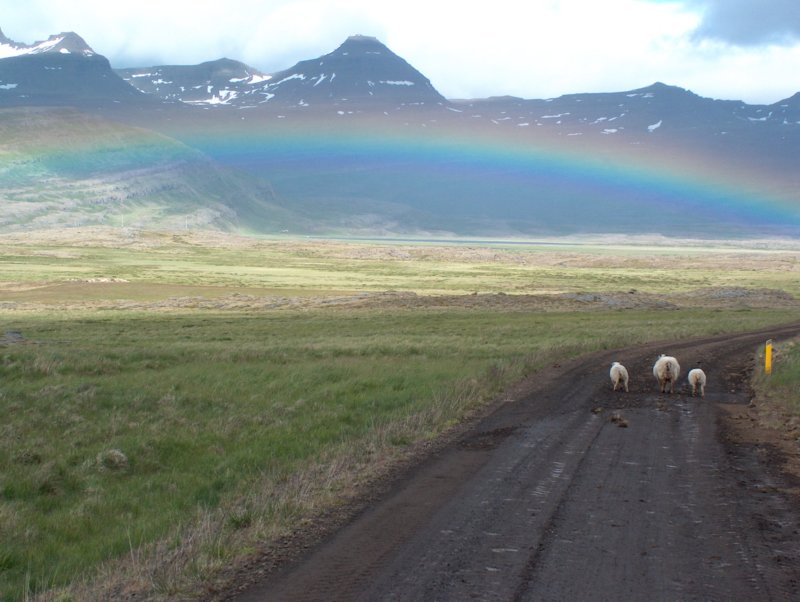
[439, 168]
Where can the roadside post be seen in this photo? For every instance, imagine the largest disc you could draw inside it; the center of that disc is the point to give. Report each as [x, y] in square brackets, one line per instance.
[768, 357]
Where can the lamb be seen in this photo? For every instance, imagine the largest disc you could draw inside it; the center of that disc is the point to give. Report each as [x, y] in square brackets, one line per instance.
[697, 378]
[619, 376]
[666, 370]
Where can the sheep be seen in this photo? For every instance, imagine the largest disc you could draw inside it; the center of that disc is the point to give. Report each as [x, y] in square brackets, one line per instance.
[697, 378]
[619, 376]
[666, 370]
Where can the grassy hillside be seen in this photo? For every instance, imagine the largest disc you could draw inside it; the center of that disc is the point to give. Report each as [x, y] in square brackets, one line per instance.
[777, 402]
[61, 167]
[415, 174]
[459, 172]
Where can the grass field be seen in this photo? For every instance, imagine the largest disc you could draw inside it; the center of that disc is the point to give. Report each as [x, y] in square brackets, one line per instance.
[785, 380]
[154, 265]
[144, 449]
[777, 395]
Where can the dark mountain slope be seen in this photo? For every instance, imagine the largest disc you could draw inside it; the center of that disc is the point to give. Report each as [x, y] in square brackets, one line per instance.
[360, 71]
[220, 82]
[61, 71]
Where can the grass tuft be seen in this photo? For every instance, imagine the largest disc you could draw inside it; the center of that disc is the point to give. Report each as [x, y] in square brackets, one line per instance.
[112, 460]
[776, 393]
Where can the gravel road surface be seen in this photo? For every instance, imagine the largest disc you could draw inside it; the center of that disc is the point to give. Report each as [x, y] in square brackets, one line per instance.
[575, 492]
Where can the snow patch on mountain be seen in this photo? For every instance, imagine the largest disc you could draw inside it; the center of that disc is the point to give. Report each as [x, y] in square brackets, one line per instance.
[64, 43]
[764, 118]
[299, 76]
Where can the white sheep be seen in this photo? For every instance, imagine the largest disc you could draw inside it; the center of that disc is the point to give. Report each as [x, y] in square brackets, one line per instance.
[619, 376]
[666, 370]
[697, 378]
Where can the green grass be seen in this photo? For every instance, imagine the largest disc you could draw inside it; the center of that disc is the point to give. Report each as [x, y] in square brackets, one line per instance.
[207, 408]
[313, 267]
[780, 389]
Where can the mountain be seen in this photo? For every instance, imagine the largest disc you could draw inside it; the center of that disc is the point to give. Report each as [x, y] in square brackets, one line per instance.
[787, 110]
[359, 142]
[61, 71]
[657, 159]
[63, 43]
[643, 111]
[220, 82]
[362, 71]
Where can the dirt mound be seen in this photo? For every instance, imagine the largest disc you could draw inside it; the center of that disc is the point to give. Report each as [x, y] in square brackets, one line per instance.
[587, 301]
[11, 337]
[737, 297]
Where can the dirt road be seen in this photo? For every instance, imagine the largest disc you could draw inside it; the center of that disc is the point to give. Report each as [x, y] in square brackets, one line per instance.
[574, 492]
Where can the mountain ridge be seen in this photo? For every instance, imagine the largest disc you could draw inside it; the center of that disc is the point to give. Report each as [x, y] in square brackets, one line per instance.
[362, 70]
[219, 82]
[359, 141]
[358, 45]
[67, 42]
[60, 71]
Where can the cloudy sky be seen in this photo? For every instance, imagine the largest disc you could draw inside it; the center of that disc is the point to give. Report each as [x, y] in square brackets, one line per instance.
[732, 49]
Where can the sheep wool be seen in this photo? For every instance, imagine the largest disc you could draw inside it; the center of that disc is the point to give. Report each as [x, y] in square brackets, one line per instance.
[619, 376]
[666, 370]
[697, 378]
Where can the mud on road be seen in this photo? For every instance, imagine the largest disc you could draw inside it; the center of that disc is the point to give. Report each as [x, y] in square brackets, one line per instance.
[575, 492]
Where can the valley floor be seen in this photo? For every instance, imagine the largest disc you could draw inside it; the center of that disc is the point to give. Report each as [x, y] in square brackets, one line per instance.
[261, 392]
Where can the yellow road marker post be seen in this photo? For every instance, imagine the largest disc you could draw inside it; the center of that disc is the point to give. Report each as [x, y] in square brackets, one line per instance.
[768, 357]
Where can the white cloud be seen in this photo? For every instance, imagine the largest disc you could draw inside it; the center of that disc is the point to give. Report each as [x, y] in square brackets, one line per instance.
[537, 49]
[552, 47]
[748, 23]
